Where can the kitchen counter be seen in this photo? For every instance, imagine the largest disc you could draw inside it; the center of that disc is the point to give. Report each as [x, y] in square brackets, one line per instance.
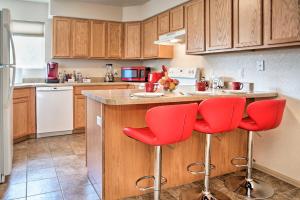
[126, 97]
[115, 161]
[26, 85]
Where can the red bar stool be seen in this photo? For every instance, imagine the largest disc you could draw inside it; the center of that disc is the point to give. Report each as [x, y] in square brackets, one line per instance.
[166, 125]
[219, 115]
[262, 115]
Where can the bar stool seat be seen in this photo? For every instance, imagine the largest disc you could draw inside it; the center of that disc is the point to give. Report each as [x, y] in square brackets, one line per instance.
[166, 125]
[219, 115]
[262, 115]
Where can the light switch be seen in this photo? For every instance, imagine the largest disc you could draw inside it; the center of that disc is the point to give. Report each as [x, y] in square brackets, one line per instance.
[99, 121]
[260, 65]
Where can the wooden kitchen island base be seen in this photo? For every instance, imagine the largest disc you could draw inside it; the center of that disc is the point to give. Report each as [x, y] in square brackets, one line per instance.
[116, 161]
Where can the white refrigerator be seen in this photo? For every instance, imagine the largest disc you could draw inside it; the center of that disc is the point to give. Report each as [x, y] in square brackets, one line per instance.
[7, 75]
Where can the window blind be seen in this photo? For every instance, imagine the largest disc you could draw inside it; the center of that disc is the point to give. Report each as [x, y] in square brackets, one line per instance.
[28, 28]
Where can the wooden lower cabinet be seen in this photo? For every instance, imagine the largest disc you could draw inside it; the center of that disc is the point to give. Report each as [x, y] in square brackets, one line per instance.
[24, 112]
[79, 111]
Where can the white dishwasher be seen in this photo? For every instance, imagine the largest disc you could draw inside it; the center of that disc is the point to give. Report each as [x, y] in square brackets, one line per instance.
[54, 106]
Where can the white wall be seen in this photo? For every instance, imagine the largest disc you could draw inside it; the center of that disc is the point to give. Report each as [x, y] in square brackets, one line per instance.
[28, 11]
[85, 10]
[151, 8]
[277, 149]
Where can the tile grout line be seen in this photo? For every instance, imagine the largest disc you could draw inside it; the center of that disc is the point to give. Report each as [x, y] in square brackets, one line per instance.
[61, 191]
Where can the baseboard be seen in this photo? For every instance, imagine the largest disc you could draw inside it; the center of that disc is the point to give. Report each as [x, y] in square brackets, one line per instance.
[277, 175]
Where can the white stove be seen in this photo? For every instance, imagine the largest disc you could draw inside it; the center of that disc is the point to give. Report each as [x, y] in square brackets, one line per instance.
[185, 76]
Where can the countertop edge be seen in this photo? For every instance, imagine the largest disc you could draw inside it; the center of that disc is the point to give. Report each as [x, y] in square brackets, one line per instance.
[183, 98]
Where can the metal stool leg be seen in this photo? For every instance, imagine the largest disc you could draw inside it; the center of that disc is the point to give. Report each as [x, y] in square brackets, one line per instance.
[157, 172]
[207, 193]
[247, 186]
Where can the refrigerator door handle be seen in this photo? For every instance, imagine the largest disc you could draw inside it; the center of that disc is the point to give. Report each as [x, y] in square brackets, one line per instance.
[11, 86]
[12, 43]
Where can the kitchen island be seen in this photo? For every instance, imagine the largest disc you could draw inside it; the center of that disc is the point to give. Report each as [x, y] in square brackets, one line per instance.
[116, 161]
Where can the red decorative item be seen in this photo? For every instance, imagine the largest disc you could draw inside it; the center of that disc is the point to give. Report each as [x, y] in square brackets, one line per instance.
[154, 77]
[151, 87]
[202, 85]
[237, 85]
[166, 125]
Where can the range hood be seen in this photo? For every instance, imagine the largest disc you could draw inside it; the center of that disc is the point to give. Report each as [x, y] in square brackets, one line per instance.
[171, 38]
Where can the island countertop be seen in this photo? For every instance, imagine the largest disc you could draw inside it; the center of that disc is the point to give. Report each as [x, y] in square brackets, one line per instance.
[126, 97]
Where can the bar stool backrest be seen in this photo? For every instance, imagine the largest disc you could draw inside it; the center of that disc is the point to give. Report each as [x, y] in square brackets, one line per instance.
[222, 114]
[267, 113]
[173, 123]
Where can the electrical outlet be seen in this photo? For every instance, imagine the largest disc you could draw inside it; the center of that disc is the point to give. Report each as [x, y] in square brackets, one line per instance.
[260, 65]
[99, 121]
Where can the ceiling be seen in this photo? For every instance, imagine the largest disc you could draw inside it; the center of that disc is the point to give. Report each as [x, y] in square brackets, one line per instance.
[121, 3]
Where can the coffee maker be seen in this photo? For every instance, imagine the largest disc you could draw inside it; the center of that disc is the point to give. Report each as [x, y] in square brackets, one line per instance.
[52, 72]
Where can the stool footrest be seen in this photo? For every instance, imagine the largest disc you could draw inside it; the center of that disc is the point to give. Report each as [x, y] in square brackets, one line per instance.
[163, 181]
[233, 161]
[198, 164]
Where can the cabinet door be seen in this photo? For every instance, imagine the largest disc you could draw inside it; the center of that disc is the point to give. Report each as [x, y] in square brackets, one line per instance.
[177, 18]
[79, 111]
[218, 24]
[24, 123]
[133, 40]
[81, 38]
[282, 21]
[164, 23]
[114, 40]
[150, 49]
[61, 35]
[195, 28]
[20, 117]
[247, 23]
[98, 37]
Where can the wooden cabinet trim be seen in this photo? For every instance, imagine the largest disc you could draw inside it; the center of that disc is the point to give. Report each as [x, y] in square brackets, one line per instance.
[133, 41]
[226, 38]
[195, 36]
[163, 23]
[98, 43]
[24, 123]
[57, 50]
[177, 19]
[268, 19]
[81, 39]
[118, 33]
[256, 38]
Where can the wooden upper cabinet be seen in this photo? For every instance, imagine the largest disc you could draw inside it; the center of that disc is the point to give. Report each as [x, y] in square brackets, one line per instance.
[195, 26]
[218, 24]
[164, 23]
[149, 36]
[132, 40]
[248, 23]
[61, 36]
[81, 38]
[98, 38]
[114, 40]
[282, 21]
[177, 18]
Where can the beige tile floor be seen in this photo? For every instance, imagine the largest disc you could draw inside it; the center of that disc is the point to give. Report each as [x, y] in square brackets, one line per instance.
[54, 169]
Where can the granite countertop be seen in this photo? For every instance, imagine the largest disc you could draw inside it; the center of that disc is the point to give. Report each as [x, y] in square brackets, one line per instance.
[126, 97]
[26, 85]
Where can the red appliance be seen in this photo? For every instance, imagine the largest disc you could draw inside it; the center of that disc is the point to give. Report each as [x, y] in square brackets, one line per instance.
[52, 72]
[135, 73]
